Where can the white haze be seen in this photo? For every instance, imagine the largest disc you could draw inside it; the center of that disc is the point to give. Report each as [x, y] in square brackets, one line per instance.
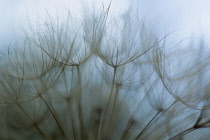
[185, 18]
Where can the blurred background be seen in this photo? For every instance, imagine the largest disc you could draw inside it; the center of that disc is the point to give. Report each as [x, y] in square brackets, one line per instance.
[185, 18]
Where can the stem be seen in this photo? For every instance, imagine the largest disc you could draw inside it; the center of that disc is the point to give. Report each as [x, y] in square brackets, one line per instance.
[144, 129]
[80, 103]
[110, 96]
[97, 125]
[164, 113]
[183, 133]
[53, 115]
[36, 126]
[129, 125]
[72, 120]
[115, 100]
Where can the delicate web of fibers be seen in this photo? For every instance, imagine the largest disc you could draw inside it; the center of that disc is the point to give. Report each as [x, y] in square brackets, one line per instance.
[103, 79]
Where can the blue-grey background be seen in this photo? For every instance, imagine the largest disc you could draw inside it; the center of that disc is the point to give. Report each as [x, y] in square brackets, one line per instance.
[186, 18]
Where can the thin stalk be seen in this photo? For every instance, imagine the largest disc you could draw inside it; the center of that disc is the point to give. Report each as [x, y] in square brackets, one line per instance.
[36, 126]
[129, 126]
[183, 133]
[72, 120]
[70, 107]
[113, 83]
[110, 97]
[196, 126]
[165, 112]
[80, 103]
[144, 129]
[189, 129]
[115, 100]
[110, 124]
[97, 124]
[56, 120]
[100, 120]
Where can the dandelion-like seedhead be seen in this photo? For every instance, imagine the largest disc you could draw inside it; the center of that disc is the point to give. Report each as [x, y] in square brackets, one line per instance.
[105, 78]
